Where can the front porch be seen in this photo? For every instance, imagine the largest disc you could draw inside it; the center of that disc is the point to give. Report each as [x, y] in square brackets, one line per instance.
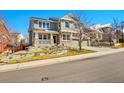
[46, 39]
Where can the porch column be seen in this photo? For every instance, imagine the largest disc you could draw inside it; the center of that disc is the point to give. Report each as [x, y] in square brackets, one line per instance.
[71, 36]
[36, 39]
[51, 39]
[60, 39]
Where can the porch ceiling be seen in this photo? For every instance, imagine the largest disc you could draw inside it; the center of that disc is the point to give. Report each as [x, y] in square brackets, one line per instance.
[46, 32]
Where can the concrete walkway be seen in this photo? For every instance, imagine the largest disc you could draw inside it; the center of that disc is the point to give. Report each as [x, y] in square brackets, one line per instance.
[11, 67]
[99, 48]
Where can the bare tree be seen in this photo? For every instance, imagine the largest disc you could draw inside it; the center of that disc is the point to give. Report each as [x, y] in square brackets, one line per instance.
[82, 23]
[116, 28]
[115, 23]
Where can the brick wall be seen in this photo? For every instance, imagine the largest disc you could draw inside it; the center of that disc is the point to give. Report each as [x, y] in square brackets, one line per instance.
[4, 36]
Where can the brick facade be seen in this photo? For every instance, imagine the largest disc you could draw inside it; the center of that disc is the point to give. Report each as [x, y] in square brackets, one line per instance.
[4, 36]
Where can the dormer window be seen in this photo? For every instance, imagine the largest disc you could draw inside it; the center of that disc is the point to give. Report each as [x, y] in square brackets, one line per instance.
[67, 24]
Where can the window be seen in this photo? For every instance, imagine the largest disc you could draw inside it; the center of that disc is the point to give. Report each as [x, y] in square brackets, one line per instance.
[76, 26]
[40, 36]
[67, 24]
[66, 37]
[40, 24]
[35, 21]
[34, 35]
[43, 24]
[48, 25]
[43, 36]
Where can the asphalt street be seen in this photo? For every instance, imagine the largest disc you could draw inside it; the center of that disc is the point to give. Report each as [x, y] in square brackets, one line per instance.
[106, 69]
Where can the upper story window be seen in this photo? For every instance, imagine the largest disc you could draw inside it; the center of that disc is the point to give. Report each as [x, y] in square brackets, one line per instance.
[35, 21]
[67, 24]
[59, 26]
[76, 26]
[47, 25]
[40, 24]
[44, 25]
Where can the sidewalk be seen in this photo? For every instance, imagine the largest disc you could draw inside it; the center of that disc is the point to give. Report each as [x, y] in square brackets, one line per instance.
[99, 48]
[11, 67]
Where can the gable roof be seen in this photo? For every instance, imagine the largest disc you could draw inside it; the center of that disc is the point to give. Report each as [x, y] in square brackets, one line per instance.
[69, 17]
[4, 25]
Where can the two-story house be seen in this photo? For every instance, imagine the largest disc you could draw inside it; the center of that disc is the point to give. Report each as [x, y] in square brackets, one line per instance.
[52, 31]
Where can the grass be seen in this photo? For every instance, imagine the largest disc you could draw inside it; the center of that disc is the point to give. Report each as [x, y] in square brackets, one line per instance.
[39, 51]
[32, 51]
[2, 57]
[118, 46]
[71, 52]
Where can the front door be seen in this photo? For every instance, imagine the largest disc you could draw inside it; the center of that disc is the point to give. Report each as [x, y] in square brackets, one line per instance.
[55, 39]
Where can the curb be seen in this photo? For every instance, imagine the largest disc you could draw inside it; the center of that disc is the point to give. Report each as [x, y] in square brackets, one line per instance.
[32, 64]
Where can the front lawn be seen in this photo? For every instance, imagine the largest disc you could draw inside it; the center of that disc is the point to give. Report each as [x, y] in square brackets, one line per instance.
[70, 52]
[119, 45]
[2, 57]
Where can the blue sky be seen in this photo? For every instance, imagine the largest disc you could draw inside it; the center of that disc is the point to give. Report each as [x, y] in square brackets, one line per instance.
[18, 20]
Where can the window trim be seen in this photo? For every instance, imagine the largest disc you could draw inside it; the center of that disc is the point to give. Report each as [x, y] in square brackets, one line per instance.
[39, 36]
[47, 25]
[43, 25]
[40, 24]
[43, 35]
[66, 24]
[66, 37]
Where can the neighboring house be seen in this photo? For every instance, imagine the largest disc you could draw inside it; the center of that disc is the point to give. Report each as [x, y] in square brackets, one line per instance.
[94, 35]
[15, 38]
[52, 31]
[107, 32]
[4, 36]
[27, 41]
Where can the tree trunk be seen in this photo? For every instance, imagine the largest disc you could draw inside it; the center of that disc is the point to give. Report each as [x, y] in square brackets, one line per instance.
[80, 45]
